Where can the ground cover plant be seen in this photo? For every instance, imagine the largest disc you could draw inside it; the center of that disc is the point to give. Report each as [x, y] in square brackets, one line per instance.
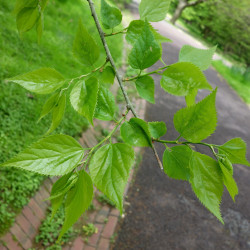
[107, 165]
[237, 76]
[19, 108]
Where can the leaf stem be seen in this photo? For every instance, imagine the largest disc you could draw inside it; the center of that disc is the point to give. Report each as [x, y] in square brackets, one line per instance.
[93, 71]
[89, 154]
[111, 133]
[124, 31]
[211, 146]
[111, 60]
[149, 73]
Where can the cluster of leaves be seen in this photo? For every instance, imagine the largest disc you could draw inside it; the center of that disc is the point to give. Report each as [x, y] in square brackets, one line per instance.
[109, 165]
[223, 22]
[50, 229]
[89, 229]
[17, 105]
[105, 200]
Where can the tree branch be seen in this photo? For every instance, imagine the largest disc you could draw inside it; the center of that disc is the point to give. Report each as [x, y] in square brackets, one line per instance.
[195, 3]
[110, 58]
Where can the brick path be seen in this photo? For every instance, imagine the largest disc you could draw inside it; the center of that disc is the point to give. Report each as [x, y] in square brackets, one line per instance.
[22, 234]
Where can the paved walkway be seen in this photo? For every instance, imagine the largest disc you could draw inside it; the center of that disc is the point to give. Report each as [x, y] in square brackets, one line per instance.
[164, 213]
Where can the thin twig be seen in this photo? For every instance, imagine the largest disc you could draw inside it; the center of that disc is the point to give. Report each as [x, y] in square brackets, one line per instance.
[110, 58]
[149, 73]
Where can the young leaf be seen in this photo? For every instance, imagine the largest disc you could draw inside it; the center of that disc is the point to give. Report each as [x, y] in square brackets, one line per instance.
[78, 200]
[176, 162]
[206, 181]
[49, 105]
[200, 57]
[190, 98]
[109, 169]
[26, 19]
[59, 190]
[154, 11]
[146, 50]
[83, 97]
[227, 164]
[110, 16]
[157, 129]
[54, 155]
[58, 113]
[136, 133]
[85, 47]
[63, 185]
[106, 107]
[199, 121]
[181, 78]
[229, 181]
[235, 150]
[21, 4]
[40, 81]
[146, 88]
[135, 29]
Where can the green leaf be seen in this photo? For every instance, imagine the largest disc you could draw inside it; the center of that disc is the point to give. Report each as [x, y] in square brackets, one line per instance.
[181, 78]
[146, 88]
[107, 76]
[59, 190]
[26, 19]
[206, 181]
[109, 169]
[83, 97]
[199, 121]
[146, 50]
[160, 38]
[176, 162]
[21, 4]
[49, 105]
[135, 29]
[54, 155]
[110, 16]
[228, 181]
[157, 129]
[235, 150]
[226, 162]
[58, 113]
[200, 57]
[85, 47]
[40, 81]
[106, 107]
[136, 133]
[190, 98]
[78, 200]
[154, 11]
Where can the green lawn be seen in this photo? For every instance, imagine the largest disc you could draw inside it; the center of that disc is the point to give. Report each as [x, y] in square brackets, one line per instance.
[19, 109]
[236, 79]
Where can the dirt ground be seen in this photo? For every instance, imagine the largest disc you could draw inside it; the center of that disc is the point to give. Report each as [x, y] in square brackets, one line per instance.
[164, 213]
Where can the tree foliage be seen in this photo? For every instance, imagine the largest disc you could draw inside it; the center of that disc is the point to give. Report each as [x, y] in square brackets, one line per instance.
[107, 164]
[225, 23]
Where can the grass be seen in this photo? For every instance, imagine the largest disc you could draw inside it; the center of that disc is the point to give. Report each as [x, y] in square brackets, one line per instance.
[19, 109]
[236, 77]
